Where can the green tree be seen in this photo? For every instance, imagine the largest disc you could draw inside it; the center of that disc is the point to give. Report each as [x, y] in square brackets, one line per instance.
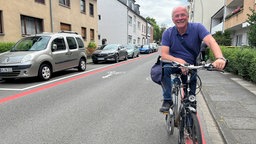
[252, 28]
[223, 39]
[157, 31]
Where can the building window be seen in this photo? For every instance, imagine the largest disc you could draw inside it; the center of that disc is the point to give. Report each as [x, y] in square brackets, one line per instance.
[40, 1]
[91, 10]
[129, 20]
[138, 25]
[65, 27]
[30, 25]
[1, 23]
[92, 35]
[82, 6]
[129, 39]
[65, 2]
[83, 33]
[138, 41]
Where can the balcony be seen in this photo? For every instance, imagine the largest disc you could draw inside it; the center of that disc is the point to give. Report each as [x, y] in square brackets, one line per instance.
[236, 14]
[217, 28]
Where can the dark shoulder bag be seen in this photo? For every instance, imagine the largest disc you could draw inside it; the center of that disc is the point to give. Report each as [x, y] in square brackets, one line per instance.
[156, 71]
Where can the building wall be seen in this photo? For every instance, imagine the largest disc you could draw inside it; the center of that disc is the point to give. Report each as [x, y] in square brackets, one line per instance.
[11, 16]
[236, 23]
[141, 33]
[12, 10]
[113, 23]
[203, 10]
[241, 16]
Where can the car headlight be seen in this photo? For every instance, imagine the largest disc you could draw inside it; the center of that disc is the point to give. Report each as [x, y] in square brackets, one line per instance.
[111, 54]
[26, 58]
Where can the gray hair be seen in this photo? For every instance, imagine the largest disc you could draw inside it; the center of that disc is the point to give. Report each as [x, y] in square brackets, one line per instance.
[184, 7]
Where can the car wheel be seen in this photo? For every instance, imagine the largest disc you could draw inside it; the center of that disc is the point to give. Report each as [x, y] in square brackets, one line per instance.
[82, 65]
[44, 72]
[126, 57]
[117, 59]
[133, 55]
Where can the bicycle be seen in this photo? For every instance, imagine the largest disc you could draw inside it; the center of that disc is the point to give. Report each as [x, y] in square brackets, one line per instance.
[183, 113]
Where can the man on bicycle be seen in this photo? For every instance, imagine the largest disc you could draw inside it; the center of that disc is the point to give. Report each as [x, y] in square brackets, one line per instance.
[181, 43]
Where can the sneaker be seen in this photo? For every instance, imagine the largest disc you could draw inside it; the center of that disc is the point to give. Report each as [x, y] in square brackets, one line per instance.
[166, 105]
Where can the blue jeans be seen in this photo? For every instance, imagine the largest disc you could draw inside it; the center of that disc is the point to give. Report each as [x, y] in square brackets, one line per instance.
[167, 82]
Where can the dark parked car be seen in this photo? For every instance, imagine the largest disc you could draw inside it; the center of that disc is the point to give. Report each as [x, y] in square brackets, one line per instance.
[133, 50]
[111, 52]
[146, 49]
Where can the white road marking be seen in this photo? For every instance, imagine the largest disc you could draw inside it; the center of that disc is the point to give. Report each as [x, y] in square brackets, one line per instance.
[111, 73]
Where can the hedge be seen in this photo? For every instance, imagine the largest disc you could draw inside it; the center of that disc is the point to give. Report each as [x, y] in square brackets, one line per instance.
[5, 46]
[242, 61]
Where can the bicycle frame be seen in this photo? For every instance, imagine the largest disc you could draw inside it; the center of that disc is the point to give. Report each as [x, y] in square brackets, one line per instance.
[186, 118]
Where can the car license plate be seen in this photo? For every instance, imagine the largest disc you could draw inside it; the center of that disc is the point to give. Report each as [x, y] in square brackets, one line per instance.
[100, 58]
[5, 70]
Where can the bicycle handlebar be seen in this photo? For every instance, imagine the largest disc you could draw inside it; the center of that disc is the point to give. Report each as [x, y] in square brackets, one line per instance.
[202, 65]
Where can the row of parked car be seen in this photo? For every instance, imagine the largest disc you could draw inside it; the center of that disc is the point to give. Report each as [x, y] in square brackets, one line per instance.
[43, 54]
[117, 52]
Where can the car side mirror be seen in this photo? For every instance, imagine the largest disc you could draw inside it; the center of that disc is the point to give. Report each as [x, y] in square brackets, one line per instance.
[54, 47]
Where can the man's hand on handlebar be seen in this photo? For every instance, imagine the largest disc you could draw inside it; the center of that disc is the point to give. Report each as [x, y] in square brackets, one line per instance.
[184, 70]
[219, 63]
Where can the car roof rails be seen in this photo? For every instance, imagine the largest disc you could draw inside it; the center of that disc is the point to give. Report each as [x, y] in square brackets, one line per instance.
[70, 32]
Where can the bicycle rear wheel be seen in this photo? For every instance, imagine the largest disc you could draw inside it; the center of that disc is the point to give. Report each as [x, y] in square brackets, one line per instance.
[170, 123]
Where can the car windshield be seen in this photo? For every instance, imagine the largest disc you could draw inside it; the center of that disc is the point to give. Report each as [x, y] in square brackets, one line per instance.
[101, 47]
[110, 47]
[129, 47]
[145, 46]
[35, 43]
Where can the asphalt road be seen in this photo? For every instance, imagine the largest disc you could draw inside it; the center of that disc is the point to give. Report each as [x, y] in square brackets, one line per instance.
[109, 103]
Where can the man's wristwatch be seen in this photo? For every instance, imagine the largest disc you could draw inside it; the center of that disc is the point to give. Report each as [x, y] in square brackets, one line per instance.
[222, 58]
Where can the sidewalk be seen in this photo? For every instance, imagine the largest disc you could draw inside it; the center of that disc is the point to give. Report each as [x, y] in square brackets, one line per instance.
[232, 102]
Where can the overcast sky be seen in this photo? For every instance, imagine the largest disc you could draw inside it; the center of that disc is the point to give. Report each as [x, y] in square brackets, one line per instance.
[160, 10]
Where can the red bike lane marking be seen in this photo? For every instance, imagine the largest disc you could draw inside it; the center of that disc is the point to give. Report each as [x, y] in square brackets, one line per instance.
[203, 139]
[34, 90]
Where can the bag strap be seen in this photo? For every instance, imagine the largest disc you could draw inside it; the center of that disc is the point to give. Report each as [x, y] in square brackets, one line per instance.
[158, 59]
[182, 41]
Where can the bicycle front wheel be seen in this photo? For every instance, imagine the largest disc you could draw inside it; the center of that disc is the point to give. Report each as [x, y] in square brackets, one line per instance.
[191, 132]
[195, 134]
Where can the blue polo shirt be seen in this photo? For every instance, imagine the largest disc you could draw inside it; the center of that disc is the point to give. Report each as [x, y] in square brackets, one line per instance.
[193, 37]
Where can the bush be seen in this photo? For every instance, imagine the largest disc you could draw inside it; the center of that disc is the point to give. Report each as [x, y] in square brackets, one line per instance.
[223, 38]
[5, 46]
[242, 61]
[92, 45]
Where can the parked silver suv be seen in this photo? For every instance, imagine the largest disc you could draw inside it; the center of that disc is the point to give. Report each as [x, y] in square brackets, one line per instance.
[42, 54]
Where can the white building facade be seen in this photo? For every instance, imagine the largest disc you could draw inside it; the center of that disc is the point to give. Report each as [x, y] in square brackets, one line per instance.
[202, 10]
[120, 22]
[221, 15]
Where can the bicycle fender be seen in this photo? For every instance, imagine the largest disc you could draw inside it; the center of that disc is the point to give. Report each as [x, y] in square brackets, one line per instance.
[191, 109]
